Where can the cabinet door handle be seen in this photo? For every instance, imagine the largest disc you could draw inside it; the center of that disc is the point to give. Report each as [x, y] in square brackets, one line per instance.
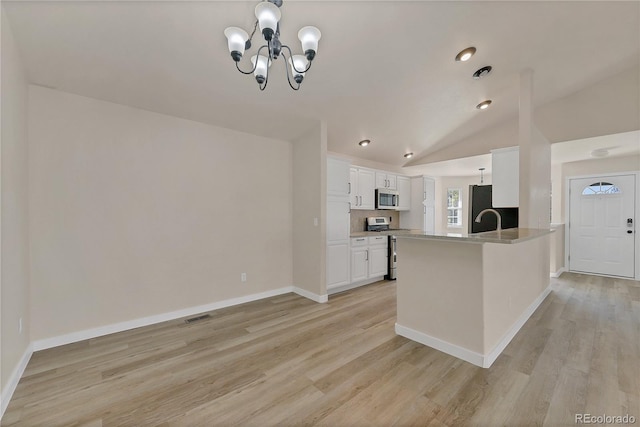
[360, 200]
[349, 207]
[367, 252]
[359, 240]
[349, 188]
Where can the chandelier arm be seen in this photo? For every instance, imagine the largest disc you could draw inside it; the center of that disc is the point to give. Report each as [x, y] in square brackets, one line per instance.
[245, 72]
[287, 70]
[266, 77]
[284, 46]
[256, 64]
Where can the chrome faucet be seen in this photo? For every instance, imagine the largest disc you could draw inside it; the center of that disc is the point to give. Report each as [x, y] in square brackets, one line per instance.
[479, 217]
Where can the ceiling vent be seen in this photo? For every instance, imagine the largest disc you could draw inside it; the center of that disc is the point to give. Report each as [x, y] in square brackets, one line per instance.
[482, 72]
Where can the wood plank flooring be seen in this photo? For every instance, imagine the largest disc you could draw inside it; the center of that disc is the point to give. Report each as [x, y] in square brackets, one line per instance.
[287, 361]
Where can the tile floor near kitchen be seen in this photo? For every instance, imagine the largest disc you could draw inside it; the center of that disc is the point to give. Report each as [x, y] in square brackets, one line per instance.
[289, 361]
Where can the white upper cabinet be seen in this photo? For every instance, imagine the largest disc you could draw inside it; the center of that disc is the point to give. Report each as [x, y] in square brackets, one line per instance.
[429, 203]
[386, 180]
[421, 215]
[337, 176]
[404, 193]
[362, 189]
[505, 177]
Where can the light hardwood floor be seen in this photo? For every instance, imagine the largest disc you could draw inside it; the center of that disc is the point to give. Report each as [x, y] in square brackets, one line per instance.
[289, 361]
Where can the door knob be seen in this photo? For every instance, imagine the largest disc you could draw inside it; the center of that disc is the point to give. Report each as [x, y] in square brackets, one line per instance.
[629, 231]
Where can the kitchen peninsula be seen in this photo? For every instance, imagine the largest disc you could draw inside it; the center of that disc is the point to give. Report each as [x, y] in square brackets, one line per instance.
[468, 295]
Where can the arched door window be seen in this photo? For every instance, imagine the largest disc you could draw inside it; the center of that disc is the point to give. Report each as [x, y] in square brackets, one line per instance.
[600, 188]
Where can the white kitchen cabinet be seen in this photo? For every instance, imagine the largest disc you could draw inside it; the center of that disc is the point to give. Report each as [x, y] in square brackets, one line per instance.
[369, 257]
[429, 203]
[338, 267]
[404, 193]
[338, 176]
[378, 256]
[505, 177]
[359, 261]
[338, 271]
[338, 228]
[386, 180]
[362, 188]
[421, 216]
[338, 219]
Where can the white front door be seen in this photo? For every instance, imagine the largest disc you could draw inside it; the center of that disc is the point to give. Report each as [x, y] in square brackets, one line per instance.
[602, 225]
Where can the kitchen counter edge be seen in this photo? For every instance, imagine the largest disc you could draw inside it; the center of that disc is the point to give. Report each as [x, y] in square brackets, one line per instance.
[509, 236]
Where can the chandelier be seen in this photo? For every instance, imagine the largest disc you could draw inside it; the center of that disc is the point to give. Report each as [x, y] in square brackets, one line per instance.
[268, 14]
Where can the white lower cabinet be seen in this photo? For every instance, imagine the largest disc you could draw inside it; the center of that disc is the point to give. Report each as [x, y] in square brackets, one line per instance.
[368, 258]
[338, 265]
[378, 257]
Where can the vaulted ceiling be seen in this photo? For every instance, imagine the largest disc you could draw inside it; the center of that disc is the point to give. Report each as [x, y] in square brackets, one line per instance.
[385, 70]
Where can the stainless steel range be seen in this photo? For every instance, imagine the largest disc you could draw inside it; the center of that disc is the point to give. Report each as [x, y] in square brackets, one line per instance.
[381, 223]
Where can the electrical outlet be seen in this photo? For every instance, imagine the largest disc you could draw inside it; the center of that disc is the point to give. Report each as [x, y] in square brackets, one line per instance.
[243, 277]
[20, 326]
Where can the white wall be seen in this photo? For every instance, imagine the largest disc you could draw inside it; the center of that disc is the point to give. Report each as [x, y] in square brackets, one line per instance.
[14, 213]
[135, 213]
[309, 204]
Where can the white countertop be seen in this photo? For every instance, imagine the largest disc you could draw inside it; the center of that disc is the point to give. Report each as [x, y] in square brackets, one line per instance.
[511, 235]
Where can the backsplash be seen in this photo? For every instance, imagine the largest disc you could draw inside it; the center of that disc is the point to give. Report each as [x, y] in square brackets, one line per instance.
[359, 218]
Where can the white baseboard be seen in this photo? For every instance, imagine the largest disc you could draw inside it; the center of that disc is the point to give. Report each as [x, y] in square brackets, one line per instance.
[482, 360]
[150, 320]
[444, 346]
[313, 297]
[349, 286]
[14, 379]
[558, 273]
[506, 339]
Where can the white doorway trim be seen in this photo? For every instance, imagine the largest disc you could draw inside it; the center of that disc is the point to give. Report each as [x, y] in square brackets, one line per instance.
[567, 212]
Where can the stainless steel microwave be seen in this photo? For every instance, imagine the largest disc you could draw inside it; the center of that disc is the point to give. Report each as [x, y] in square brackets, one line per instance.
[386, 199]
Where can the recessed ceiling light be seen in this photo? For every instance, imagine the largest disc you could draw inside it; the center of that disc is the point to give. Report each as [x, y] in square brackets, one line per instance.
[364, 143]
[408, 155]
[484, 105]
[466, 54]
[482, 72]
